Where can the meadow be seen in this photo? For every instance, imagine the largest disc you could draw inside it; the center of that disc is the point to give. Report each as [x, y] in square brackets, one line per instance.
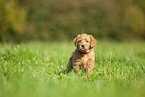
[36, 69]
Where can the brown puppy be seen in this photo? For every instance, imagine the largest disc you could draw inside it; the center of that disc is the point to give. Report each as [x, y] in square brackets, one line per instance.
[83, 56]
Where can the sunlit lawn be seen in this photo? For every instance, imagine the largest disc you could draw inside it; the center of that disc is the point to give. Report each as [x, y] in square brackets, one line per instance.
[36, 69]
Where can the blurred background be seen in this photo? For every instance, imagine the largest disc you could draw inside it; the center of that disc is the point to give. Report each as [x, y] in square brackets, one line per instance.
[60, 20]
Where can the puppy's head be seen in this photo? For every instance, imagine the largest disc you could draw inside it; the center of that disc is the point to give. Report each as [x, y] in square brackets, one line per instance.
[84, 42]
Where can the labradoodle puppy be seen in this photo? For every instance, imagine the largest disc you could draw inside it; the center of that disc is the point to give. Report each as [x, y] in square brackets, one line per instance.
[83, 56]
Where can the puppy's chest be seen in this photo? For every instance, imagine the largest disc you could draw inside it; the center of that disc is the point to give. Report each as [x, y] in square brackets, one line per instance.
[84, 59]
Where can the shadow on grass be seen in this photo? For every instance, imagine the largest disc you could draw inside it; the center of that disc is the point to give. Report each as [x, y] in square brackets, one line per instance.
[62, 72]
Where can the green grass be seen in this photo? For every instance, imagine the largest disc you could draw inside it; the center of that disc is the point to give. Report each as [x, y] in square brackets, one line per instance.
[37, 70]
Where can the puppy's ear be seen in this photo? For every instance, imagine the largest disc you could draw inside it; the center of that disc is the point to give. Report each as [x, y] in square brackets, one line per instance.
[75, 40]
[93, 41]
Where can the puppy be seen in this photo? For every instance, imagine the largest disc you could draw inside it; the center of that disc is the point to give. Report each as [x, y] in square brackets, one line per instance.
[83, 56]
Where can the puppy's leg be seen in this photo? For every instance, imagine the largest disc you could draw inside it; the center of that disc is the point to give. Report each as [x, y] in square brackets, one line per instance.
[76, 67]
[69, 65]
[89, 67]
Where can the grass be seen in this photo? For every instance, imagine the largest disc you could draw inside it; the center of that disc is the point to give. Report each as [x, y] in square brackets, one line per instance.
[37, 70]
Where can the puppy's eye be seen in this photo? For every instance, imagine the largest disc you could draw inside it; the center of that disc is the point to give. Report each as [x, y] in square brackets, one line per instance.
[79, 41]
[87, 41]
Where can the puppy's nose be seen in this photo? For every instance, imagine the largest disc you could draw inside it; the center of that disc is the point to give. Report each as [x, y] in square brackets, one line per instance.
[83, 46]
